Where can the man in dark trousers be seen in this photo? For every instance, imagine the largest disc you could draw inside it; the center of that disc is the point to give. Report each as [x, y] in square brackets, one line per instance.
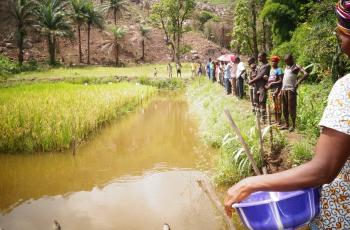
[290, 85]
[240, 75]
[260, 96]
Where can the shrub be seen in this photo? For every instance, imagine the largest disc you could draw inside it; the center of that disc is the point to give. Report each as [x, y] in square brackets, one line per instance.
[301, 152]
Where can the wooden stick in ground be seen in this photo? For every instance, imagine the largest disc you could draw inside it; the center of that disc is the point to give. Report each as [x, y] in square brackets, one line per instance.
[245, 145]
[270, 124]
[261, 141]
[208, 189]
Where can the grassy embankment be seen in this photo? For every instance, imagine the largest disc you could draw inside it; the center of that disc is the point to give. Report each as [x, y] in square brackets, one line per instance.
[46, 117]
[207, 101]
[312, 100]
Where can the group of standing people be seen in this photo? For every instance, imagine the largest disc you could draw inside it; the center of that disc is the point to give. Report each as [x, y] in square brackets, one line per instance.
[330, 165]
[267, 82]
[270, 83]
[231, 74]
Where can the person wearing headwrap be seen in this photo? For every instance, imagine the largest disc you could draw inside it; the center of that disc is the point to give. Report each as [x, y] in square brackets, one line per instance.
[274, 84]
[330, 165]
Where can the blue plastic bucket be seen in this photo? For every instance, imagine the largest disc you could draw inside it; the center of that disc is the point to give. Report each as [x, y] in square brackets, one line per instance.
[279, 210]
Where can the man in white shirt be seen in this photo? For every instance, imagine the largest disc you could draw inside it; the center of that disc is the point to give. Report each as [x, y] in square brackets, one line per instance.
[240, 73]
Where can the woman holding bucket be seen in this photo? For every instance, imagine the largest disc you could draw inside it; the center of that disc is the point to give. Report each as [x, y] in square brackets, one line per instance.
[330, 166]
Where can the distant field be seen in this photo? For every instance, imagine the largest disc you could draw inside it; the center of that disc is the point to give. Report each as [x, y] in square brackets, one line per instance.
[90, 71]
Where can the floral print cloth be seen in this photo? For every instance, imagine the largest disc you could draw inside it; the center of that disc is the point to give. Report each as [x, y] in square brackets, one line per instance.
[335, 197]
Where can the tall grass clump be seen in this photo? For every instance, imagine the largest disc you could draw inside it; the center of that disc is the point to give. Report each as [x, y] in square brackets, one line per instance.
[163, 83]
[301, 152]
[47, 117]
[208, 102]
[312, 100]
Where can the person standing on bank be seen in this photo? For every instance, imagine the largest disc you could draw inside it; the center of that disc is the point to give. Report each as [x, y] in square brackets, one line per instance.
[240, 74]
[178, 69]
[274, 84]
[290, 85]
[330, 165]
[227, 76]
[207, 68]
[251, 75]
[233, 79]
[259, 82]
[170, 70]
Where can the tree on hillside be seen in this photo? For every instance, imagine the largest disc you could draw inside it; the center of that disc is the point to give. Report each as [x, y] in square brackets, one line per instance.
[52, 22]
[283, 16]
[116, 6]
[22, 12]
[79, 17]
[171, 15]
[242, 40]
[144, 30]
[94, 17]
[118, 33]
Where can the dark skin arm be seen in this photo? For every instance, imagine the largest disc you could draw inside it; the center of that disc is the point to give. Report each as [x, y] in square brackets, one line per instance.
[305, 75]
[332, 152]
[279, 81]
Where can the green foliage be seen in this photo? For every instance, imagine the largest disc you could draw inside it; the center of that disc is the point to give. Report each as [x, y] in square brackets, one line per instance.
[312, 100]
[116, 7]
[283, 18]
[301, 152]
[308, 47]
[78, 12]
[241, 34]
[52, 22]
[203, 17]
[8, 67]
[169, 83]
[171, 16]
[22, 12]
[94, 15]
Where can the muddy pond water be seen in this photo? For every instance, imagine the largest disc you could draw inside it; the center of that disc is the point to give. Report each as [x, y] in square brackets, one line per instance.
[136, 173]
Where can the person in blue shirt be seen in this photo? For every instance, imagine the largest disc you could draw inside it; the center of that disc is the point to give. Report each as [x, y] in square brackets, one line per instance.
[207, 68]
[274, 84]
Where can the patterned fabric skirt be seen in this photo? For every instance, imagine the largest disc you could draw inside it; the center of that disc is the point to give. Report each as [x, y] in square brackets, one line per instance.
[275, 101]
[335, 203]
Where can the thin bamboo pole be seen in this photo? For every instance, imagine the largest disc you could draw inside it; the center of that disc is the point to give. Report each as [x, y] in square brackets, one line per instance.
[261, 141]
[208, 189]
[241, 139]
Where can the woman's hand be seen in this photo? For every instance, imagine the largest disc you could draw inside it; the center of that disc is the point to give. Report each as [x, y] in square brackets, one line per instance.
[237, 193]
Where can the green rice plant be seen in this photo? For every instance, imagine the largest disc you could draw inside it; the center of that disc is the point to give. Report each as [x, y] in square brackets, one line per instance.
[47, 117]
[301, 152]
[207, 102]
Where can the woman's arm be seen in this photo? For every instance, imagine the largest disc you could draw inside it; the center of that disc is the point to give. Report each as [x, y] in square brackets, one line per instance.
[332, 151]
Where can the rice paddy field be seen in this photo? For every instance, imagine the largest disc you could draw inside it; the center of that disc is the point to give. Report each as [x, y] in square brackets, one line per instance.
[49, 117]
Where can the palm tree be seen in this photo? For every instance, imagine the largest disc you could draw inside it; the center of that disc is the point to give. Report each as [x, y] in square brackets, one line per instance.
[143, 31]
[118, 34]
[116, 6]
[79, 17]
[22, 11]
[52, 22]
[95, 18]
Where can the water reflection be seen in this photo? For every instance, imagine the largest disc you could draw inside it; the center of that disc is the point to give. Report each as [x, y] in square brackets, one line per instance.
[135, 174]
